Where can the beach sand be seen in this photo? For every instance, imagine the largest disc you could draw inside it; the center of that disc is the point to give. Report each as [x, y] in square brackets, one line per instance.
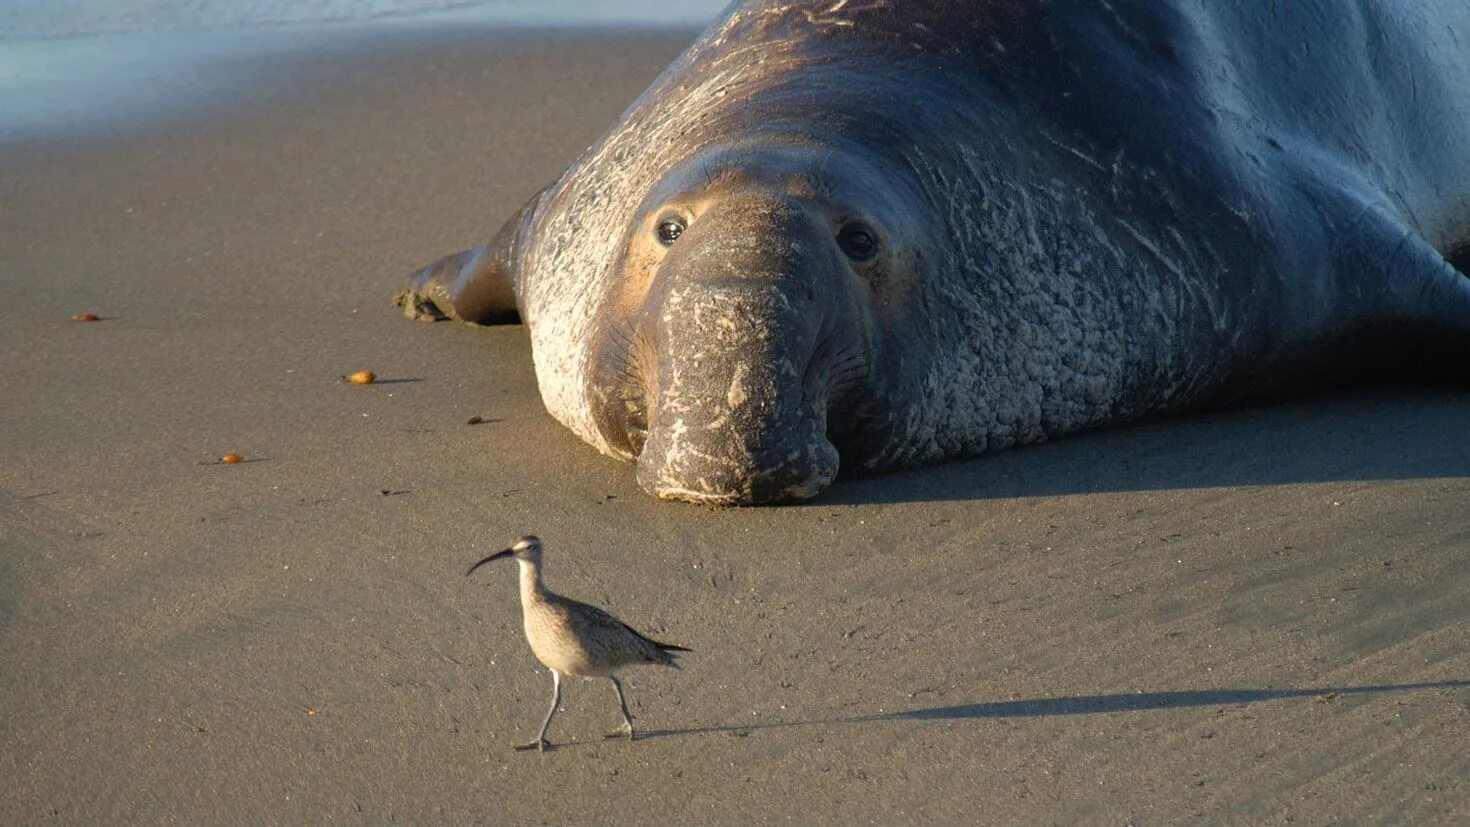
[1250, 616]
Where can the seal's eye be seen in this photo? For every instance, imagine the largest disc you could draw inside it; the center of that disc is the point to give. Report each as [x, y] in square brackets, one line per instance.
[669, 230]
[857, 242]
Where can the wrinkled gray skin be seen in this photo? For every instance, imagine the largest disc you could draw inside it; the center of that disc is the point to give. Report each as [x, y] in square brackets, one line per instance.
[1082, 212]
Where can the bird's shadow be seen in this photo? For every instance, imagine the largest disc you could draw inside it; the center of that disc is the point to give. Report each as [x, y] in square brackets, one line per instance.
[1074, 705]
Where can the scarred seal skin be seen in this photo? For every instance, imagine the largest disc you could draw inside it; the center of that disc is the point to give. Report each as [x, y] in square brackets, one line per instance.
[870, 234]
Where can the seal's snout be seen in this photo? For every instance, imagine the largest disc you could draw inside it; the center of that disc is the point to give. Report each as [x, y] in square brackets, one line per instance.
[738, 418]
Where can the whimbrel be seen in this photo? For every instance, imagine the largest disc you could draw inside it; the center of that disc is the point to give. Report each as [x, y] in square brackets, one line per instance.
[573, 638]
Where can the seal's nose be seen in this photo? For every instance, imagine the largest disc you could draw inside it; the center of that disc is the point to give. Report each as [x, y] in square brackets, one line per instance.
[737, 419]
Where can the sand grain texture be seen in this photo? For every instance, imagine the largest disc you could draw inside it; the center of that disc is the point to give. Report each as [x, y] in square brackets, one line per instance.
[1250, 616]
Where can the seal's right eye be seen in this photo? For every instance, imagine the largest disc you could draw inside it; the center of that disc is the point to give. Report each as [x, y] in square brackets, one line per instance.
[857, 241]
[669, 230]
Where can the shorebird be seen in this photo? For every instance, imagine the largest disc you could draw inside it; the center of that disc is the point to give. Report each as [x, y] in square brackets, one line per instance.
[573, 638]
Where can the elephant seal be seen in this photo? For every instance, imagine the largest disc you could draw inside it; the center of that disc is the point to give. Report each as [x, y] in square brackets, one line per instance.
[889, 233]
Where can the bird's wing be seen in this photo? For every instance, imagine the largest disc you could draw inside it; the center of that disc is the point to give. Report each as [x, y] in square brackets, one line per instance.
[593, 617]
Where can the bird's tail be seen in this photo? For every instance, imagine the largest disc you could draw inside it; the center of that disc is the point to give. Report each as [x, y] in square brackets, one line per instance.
[669, 653]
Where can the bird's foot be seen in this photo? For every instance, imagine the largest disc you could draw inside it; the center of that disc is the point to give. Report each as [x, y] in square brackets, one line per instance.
[624, 731]
[540, 745]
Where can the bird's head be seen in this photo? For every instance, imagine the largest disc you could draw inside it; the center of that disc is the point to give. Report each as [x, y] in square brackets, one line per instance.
[526, 549]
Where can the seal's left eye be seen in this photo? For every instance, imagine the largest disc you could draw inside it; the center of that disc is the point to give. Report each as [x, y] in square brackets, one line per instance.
[670, 230]
[857, 242]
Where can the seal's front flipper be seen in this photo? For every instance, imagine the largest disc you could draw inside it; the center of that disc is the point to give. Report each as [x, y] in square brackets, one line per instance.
[478, 286]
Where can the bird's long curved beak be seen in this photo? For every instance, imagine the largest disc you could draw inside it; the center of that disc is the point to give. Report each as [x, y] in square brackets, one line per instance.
[505, 552]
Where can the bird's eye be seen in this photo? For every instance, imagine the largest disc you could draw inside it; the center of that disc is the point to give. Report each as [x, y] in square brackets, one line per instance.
[857, 242]
[669, 230]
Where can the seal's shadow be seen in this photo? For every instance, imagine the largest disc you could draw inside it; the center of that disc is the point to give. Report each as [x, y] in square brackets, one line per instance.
[1080, 705]
[1378, 434]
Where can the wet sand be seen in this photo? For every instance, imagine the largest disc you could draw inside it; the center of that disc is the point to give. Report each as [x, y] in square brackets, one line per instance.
[1249, 616]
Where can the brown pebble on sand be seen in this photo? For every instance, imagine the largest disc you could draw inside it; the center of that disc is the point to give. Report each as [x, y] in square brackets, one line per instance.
[86, 317]
[232, 458]
[362, 377]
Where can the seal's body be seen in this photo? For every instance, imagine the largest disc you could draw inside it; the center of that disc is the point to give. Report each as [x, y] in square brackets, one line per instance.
[897, 232]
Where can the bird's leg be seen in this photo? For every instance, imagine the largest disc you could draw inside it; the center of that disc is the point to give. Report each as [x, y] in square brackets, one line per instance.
[540, 743]
[626, 730]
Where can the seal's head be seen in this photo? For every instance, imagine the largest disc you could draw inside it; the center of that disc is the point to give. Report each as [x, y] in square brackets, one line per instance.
[743, 341]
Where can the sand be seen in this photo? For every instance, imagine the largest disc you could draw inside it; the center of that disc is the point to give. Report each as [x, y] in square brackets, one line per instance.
[1250, 616]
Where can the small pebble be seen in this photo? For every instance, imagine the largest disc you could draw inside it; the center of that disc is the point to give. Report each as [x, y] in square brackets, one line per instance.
[86, 317]
[362, 377]
[231, 458]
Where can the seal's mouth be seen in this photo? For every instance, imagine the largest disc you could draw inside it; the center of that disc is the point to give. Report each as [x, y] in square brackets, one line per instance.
[677, 472]
[748, 495]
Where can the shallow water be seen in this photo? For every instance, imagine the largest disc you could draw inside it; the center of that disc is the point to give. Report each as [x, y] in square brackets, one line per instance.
[77, 68]
[29, 19]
